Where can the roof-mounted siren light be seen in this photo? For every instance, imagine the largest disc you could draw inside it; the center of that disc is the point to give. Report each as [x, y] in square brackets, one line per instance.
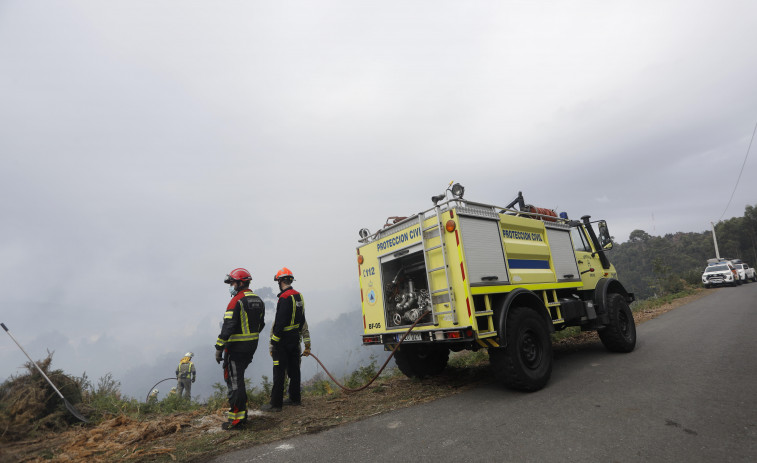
[457, 191]
[364, 233]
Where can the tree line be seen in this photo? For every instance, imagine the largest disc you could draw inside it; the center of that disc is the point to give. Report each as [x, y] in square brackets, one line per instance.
[656, 265]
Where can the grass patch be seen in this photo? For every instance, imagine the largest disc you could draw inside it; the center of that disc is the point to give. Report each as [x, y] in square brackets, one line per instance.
[653, 303]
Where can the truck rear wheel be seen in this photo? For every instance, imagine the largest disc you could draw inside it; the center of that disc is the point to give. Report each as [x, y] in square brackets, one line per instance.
[418, 361]
[526, 363]
[620, 334]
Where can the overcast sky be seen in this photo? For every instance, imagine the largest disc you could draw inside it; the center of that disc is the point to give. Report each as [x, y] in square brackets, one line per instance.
[149, 147]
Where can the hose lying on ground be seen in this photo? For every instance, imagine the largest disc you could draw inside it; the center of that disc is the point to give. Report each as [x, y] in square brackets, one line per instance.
[347, 389]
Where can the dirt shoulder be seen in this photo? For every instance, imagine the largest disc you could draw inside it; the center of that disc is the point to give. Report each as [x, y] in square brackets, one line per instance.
[197, 436]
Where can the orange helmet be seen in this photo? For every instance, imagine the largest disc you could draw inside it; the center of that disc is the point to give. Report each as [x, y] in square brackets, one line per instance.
[283, 273]
[238, 274]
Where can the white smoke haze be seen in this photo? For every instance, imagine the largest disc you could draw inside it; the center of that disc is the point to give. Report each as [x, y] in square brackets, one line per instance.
[147, 148]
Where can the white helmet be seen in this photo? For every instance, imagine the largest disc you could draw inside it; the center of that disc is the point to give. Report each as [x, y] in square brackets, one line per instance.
[154, 391]
[189, 354]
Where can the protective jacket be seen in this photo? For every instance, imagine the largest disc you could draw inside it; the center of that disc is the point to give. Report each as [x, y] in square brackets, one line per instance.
[242, 323]
[285, 346]
[186, 370]
[290, 317]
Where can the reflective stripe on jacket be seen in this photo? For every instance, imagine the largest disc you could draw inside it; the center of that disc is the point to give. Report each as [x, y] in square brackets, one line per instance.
[186, 370]
[242, 323]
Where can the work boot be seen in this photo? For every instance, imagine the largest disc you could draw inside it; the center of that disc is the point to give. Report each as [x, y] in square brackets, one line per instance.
[270, 408]
[289, 401]
[230, 425]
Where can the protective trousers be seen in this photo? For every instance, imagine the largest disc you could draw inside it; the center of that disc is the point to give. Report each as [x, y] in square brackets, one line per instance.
[233, 372]
[184, 384]
[286, 361]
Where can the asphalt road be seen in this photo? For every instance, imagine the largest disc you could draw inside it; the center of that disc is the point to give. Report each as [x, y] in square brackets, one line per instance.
[684, 395]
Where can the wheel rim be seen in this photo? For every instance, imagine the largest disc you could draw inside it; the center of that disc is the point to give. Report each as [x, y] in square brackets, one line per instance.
[530, 349]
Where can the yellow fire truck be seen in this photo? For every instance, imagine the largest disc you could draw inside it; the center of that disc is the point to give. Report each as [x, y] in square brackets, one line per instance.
[475, 276]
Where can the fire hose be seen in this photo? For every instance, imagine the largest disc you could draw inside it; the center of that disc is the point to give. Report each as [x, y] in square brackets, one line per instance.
[148, 394]
[347, 389]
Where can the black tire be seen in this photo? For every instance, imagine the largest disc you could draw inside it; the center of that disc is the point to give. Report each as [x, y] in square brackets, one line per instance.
[419, 360]
[620, 334]
[526, 363]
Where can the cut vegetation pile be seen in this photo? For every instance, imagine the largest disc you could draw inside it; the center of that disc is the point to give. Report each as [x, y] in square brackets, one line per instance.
[28, 405]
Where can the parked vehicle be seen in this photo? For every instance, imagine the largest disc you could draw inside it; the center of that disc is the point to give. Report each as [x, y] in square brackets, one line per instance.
[740, 276]
[723, 273]
[746, 273]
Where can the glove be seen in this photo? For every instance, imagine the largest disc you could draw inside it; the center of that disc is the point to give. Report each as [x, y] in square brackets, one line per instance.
[306, 352]
[270, 349]
[193, 381]
[219, 355]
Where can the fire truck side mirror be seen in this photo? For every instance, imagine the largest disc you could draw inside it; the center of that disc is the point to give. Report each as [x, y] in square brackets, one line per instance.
[605, 240]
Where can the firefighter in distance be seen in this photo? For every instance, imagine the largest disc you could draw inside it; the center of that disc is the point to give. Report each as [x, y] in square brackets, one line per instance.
[186, 373]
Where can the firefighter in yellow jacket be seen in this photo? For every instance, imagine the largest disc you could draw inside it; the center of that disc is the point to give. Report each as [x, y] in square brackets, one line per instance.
[238, 341]
[185, 375]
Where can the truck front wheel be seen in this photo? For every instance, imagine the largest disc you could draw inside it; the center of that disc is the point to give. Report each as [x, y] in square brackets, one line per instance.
[620, 334]
[418, 360]
[526, 363]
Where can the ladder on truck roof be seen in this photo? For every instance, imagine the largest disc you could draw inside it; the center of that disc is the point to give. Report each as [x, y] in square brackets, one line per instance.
[441, 295]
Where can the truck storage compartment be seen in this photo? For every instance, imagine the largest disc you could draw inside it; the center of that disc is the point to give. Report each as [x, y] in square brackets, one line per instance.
[563, 256]
[406, 294]
[483, 251]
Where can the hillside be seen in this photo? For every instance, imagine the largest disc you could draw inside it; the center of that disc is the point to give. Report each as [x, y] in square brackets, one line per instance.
[654, 265]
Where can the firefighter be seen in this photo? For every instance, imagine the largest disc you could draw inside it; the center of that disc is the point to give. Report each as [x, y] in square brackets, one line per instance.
[236, 345]
[153, 396]
[186, 373]
[285, 342]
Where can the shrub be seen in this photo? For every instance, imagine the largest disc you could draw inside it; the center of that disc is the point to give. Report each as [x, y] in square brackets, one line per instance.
[362, 375]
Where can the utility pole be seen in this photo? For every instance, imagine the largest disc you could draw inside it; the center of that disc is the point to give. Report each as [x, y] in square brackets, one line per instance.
[715, 240]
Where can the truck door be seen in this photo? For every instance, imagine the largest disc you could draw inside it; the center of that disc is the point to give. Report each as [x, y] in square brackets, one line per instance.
[589, 267]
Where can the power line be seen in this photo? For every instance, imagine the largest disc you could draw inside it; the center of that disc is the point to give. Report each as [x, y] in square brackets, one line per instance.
[741, 172]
